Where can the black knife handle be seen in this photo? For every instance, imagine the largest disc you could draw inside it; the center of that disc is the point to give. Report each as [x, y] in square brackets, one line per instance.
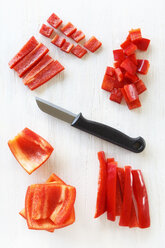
[109, 134]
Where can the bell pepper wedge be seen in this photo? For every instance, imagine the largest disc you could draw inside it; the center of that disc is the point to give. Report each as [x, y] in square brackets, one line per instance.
[119, 74]
[46, 30]
[127, 198]
[135, 34]
[25, 50]
[92, 44]
[77, 36]
[141, 197]
[128, 47]
[142, 44]
[47, 73]
[67, 47]
[143, 66]
[101, 193]
[131, 92]
[118, 55]
[78, 51]
[116, 95]
[111, 190]
[140, 86]
[30, 150]
[68, 29]
[58, 40]
[54, 21]
[110, 71]
[131, 78]
[30, 60]
[129, 66]
[131, 105]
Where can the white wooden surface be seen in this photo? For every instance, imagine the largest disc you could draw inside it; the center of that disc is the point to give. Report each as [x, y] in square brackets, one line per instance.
[78, 89]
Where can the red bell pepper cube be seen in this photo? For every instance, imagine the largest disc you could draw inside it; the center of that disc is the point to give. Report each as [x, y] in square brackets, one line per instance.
[26, 49]
[67, 47]
[141, 197]
[46, 30]
[131, 105]
[111, 190]
[118, 55]
[131, 78]
[68, 29]
[128, 47]
[78, 35]
[131, 92]
[30, 60]
[30, 150]
[54, 21]
[133, 58]
[116, 95]
[45, 75]
[58, 40]
[127, 198]
[110, 71]
[119, 74]
[116, 64]
[129, 66]
[92, 44]
[135, 34]
[143, 66]
[140, 87]
[109, 160]
[79, 51]
[142, 44]
[101, 193]
[36, 69]
[108, 83]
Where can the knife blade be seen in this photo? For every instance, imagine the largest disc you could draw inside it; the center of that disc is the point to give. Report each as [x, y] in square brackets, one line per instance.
[97, 129]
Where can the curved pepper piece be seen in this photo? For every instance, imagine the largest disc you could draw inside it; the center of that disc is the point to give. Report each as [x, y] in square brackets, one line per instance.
[54, 21]
[46, 30]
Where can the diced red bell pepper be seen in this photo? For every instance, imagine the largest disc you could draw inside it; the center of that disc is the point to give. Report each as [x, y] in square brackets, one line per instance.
[131, 92]
[101, 193]
[118, 55]
[135, 34]
[141, 198]
[140, 87]
[30, 150]
[78, 35]
[30, 60]
[79, 51]
[67, 47]
[119, 74]
[58, 40]
[142, 44]
[46, 60]
[127, 198]
[129, 66]
[26, 49]
[68, 29]
[92, 44]
[133, 58]
[108, 83]
[131, 78]
[46, 30]
[131, 105]
[143, 66]
[109, 160]
[116, 95]
[111, 190]
[110, 71]
[45, 75]
[128, 47]
[54, 21]
[116, 64]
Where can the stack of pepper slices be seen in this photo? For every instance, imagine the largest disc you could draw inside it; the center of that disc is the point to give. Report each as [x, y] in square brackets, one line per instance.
[122, 192]
[122, 80]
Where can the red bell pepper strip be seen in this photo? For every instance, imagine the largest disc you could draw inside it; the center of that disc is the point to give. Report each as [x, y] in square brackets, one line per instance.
[133, 218]
[135, 34]
[36, 69]
[131, 78]
[79, 51]
[108, 83]
[131, 105]
[143, 66]
[30, 150]
[30, 60]
[67, 47]
[78, 35]
[92, 44]
[111, 190]
[45, 75]
[140, 87]
[109, 160]
[121, 176]
[128, 47]
[119, 74]
[26, 49]
[68, 29]
[118, 55]
[58, 40]
[142, 44]
[46, 30]
[116, 95]
[54, 21]
[110, 71]
[101, 193]
[119, 197]
[127, 198]
[141, 198]
[129, 66]
[131, 92]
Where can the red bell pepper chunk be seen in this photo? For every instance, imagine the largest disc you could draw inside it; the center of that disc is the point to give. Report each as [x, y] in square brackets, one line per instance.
[116, 95]
[118, 55]
[30, 150]
[46, 30]
[111, 190]
[54, 21]
[119, 74]
[92, 44]
[26, 49]
[36, 69]
[131, 78]
[45, 75]
[78, 35]
[116, 64]
[109, 160]
[133, 58]
[127, 198]
[142, 44]
[68, 29]
[131, 92]
[143, 66]
[58, 40]
[141, 198]
[140, 87]
[135, 34]
[30, 60]
[67, 47]
[79, 51]
[101, 193]
[131, 105]
[110, 71]
[128, 47]
[129, 66]
[108, 83]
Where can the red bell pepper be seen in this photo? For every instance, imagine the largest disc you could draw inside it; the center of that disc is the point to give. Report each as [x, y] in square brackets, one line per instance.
[108, 83]
[131, 105]
[67, 47]
[118, 55]
[54, 178]
[92, 44]
[109, 160]
[26, 49]
[119, 74]
[101, 193]
[140, 87]
[68, 29]
[46, 30]
[128, 47]
[131, 78]
[78, 35]
[141, 198]
[131, 92]
[30, 60]
[30, 150]
[133, 58]
[119, 197]
[58, 40]
[79, 51]
[54, 21]
[116, 95]
[121, 176]
[135, 34]
[143, 66]
[116, 64]
[142, 44]
[110, 71]
[129, 66]
[133, 218]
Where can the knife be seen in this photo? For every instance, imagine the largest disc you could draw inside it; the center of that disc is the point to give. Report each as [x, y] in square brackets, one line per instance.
[98, 129]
